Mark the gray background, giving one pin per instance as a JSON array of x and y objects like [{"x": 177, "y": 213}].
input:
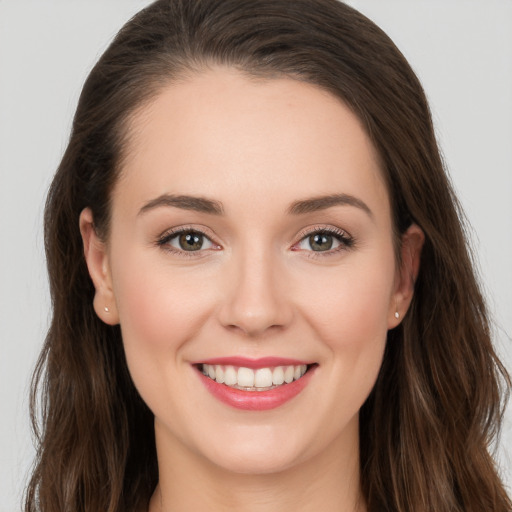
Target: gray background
[{"x": 461, "y": 50}]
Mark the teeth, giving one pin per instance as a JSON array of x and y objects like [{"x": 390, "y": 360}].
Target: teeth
[
  {"x": 288, "y": 374},
  {"x": 230, "y": 376},
  {"x": 245, "y": 377},
  {"x": 219, "y": 374},
  {"x": 263, "y": 378},
  {"x": 249, "y": 379},
  {"x": 278, "y": 376}
]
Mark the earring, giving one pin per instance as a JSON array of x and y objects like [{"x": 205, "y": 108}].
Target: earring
[
  {"x": 397, "y": 315},
  {"x": 107, "y": 310}
]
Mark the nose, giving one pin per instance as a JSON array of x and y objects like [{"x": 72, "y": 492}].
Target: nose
[{"x": 256, "y": 299}]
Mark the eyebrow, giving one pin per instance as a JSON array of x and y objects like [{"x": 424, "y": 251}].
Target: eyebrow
[
  {"x": 210, "y": 206},
  {"x": 198, "y": 204},
  {"x": 315, "y": 204}
]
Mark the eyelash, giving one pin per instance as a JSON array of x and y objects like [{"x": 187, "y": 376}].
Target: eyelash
[
  {"x": 345, "y": 240},
  {"x": 165, "y": 238}
]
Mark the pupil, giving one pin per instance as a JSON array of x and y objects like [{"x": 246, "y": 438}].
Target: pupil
[
  {"x": 320, "y": 242},
  {"x": 191, "y": 241}
]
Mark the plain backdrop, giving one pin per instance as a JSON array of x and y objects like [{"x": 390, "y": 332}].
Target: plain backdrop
[{"x": 461, "y": 50}]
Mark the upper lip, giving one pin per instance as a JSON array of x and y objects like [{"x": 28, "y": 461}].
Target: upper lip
[{"x": 262, "y": 362}]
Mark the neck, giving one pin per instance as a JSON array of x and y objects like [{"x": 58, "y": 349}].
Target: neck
[{"x": 325, "y": 482}]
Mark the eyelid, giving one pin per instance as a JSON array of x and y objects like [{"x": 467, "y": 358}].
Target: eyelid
[
  {"x": 346, "y": 240},
  {"x": 169, "y": 234}
]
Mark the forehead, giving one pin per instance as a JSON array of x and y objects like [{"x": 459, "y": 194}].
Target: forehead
[{"x": 223, "y": 134}]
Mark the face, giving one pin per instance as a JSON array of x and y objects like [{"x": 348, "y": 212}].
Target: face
[{"x": 251, "y": 240}]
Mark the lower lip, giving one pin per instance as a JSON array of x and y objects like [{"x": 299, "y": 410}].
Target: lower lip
[{"x": 256, "y": 400}]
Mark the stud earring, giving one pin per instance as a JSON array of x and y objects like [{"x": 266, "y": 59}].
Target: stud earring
[
  {"x": 107, "y": 310},
  {"x": 397, "y": 315}
]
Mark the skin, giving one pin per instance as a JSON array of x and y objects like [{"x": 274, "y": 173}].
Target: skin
[{"x": 256, "y": 147}]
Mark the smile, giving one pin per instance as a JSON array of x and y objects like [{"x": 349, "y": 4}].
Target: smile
[
  {"x": 248, "y": 379},
  {"x": 255, "y": 385}
]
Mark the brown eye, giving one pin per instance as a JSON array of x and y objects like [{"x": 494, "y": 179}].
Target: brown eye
[
  {"x": 325, "y": 240},
  {"x": 187, "y": 241},
  {"x": 191, "y": 241},
  {"x": 321, "y": 242}
]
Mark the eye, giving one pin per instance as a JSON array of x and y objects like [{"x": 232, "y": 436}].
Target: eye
[
  {"x": 187, "y": 240},
  {"x": 325, "y": 240},
  {"x": 319, "y": 242}
]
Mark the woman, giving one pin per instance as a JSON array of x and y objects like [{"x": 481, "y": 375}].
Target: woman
[{"x": 262, "y": 293}]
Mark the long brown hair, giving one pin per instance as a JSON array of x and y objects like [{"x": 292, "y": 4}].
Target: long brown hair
[{"x": 428, "y": 423}]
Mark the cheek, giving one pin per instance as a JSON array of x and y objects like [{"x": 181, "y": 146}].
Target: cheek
[
  {"x": 160, "y": 311},
  {"x": 158, "y": 307},
  {"x": 144, "y": 311},
  {"x": 349, "y": 311},
  {"x": 355, "y": 333},
  {"x": 355, "y": 298}
]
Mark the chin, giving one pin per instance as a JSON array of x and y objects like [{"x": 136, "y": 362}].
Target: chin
[
  {"x": 257, "y": 454},
  {"x": 256, "y": 464}
]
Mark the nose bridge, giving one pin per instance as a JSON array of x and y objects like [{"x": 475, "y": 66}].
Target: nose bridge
[{"x": 255, "y": 301}]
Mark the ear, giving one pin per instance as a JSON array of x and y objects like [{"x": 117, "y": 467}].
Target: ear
[
  {"x": 96, "y": 256},
  {"x": 410, "y": 253}
]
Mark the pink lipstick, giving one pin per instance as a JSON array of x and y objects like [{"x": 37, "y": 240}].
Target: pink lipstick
[{"x": 255, "y": 384}]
